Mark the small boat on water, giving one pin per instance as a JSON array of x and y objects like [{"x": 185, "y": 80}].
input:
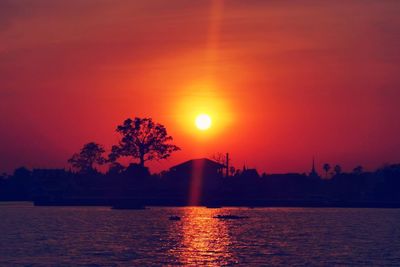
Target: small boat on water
[
  {"x": 213, "y": 207},
  {"x": 174, "y": 218},
  {"x": 230, "y": 217}
]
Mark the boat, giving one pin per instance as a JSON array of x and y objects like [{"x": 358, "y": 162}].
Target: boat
[
  {"x": 230, "y": 217},
  {"x": 174, "y": 218},
  {"x": 213, "y": 207}
]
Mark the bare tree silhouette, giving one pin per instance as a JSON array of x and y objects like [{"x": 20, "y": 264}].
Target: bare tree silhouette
[
  {"x": 219, "y": 157},
  {"x": 144, "y": 140},
  {"x": 90, "y": 154}
]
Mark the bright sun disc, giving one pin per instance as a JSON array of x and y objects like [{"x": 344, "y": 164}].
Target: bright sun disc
[{"x": 203, "y": 122}]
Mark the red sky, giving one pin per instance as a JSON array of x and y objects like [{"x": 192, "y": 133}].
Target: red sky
[{"x": 282, "y": 80}]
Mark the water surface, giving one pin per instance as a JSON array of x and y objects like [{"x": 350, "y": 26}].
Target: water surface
[{"x": 98, "y": 236}]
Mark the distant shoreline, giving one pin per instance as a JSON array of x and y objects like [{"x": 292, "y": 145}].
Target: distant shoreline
[{"x": 138, "y": 204}]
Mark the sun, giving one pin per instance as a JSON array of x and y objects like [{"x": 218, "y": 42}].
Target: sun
[{"x": 203, "y": 122}]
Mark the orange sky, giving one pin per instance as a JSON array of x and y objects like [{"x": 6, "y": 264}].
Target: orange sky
[{"x": 283, "y": 80}]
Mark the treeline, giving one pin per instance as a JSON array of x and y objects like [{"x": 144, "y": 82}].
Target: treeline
[{"x": 245, "y": 186}]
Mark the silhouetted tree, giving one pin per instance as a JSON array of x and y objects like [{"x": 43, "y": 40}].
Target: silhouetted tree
[
  {"x": 90, "y": 154},
  {"x": 21, "y": 172},
  {"x": 22, "y": 179},
  {"x": 222, "y": 159},
  {"x": 219, "y": 157},
  {"x": 358, "y": 170},
  {"x": 116, "y": 168},
  {"x": 144, "y": 140},
  {"x": 232, "y": 170},
  {"x": 326, "y": 168},
  {"x": 337, "y": 169}
]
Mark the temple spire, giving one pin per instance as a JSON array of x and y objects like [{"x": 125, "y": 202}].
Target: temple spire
[
  {"x": 313, "y": 172},
  {"x": 313, "y": 165}
]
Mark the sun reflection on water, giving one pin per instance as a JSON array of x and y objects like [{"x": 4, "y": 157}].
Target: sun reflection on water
[{"x": 202, "y": 239}]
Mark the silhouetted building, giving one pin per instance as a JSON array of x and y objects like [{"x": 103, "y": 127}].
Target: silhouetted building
[
  {"x": 198, "y": 176},
  {"x": 202, "y": 166},
  {"x": 249, "y": 173}
]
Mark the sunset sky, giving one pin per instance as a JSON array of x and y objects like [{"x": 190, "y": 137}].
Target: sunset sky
[{"x": 283, "y": 81}]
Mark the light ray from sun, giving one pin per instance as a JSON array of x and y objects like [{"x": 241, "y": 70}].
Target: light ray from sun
[
  {"x": 214, "y": 32},
  {"x": 203, "y": 119}
]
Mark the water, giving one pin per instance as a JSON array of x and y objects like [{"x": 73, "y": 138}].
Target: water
[{"x": 88, "y": 236}]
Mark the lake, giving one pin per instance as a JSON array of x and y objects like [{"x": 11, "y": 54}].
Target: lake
[{"x": 100, "y": 236}]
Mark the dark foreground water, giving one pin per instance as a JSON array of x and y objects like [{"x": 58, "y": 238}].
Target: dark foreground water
[{"x": 87, "y": 236}]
